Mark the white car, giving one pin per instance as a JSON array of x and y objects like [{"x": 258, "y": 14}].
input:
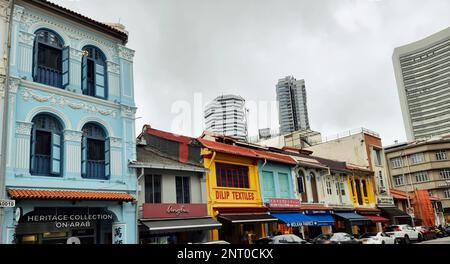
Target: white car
[
  {"x": 404, "y": 233},
  {"x": 377, "y": 238}
]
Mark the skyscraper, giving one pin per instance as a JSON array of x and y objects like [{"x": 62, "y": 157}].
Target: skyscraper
[
  {"x": 422, "y": 70},
  {"x": 226, "y": 115},
  {"x": 292, "y": 109}
]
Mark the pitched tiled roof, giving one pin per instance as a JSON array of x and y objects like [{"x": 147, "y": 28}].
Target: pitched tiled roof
[
  {"x": 246, "y": 152},
  {"x": 105, "y": 28},
  {"x": 168, "y": 135},
  {"x": 152, "y": 158},
  {"x": 30, "y": 194}
]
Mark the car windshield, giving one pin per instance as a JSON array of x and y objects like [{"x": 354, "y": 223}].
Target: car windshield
[
  {"x": 367, "y": 235},
  {"x": 323, "y": 237}
]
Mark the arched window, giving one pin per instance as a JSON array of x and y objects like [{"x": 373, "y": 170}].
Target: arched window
[
  {"x": 93, "y": 73},
  {"x": 46, "y": 142},
  {"x": 94, "y": 153},
  {"x": 51, "y": 59}
]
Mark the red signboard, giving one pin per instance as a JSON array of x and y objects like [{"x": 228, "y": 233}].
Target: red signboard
[
  {"x": 173, "y": 210},
  {"x": 284, "y": 203}
]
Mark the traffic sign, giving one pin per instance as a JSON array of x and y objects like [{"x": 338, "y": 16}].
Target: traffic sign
[{"x": 7, "y": 203}]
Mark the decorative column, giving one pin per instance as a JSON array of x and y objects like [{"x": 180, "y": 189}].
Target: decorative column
[
  {"x": 10, "y": 157},
  {"x": 113, "y": 81},
  {"x": 72, "y": 154},
  {"x": 116, "y": 161},
  {"x": 15, "y": 44},
  {"x": 126, "y": 56},
  {"x": 75, "y": 71},
  {"x": 23, "y": 138}
]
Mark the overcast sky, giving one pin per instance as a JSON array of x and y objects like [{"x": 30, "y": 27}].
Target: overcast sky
[{"x": 187, "y": 49}]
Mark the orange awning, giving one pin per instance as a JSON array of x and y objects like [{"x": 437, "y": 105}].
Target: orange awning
[{"x": 28, "y": 194}]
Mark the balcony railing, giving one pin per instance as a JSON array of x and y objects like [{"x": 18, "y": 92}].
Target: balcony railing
[
  {"x": 49, "y": 76},
  {"x": 95, "y": 169}
]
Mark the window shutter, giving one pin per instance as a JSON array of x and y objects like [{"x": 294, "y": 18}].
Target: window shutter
[
  {"x": 35, "y": 59},
  {"x": 65, "y": 66},
  {"x": 33, "y": 150},
  {"x": 84, "y": 155},
  {"x": 56, "y": 154},
  {"x": 100, "y": 82},
  {"x": 84, "y": 84},
  {"x": 107, "y": 159}
]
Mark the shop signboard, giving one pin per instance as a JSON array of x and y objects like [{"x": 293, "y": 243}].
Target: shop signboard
[
  {"x": 119, "y": 231},
  {"x": 67, "y": 218},
  {"x": 284, "y": 203},
  {"x": 167, "y": 210},
  {"x": 385, "y": 201},
  {"x": 235, "y": 195}
]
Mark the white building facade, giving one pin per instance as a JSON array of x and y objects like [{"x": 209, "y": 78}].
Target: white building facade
[
  {"x": 226, "y": 115},
  {"x": 422, "y": 70}
]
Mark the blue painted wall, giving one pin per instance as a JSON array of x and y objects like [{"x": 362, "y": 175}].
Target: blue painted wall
[
  {"x": 278, "y": 170},
  {"x": 116, "y": 114}
]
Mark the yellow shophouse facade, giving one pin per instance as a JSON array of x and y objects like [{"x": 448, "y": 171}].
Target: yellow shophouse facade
[{"x": 233, "y": 190}]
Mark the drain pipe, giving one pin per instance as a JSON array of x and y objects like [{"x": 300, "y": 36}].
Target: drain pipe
[
  {"x": 5, "y": 118},
  {"x": 137, "y": 204}
]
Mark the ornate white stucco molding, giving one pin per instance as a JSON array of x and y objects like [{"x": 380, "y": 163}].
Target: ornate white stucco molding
[
  {"x": 13, "y": 85},
  {"x": 127, "y": 111},
  {"x": 18, "y": 12},
  {"x": 115, "y": 142},
  {"x": 23, "y": 128},
  {"x": 26, "y": 38},
  {"x": 62, "y": 101},
  {"x": 126, "y": 53},
  {"x": 76, "y": 54},
  {"x": 72, "y": 135},
  {"x": 113, "y": 67}
]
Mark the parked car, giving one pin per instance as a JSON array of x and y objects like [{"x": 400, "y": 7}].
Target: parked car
[
  {"x": 336, "y": 238},
  {"x": 447, "y": 229},
  {"x": 377, "y": 238},
  {"x": 427, "y": 232},
  {"x": 440, "y": 232},
  {"x": 223, "y": 242},
  {"x": 403, "y": 233},
  {"x": 282, "y": 239}
]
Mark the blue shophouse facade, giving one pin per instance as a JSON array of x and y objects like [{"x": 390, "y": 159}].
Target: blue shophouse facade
[
  {"x": 71, "y": 129},
  {"x": 276, "y": 180}
]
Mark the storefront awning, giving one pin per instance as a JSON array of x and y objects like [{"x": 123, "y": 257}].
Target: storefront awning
[
  {"x": 248, "y": 218},
  {"x": 180, "y": 225},
  {"x": 34, "y": 194},
  {"x": 354, "y": 218},
  {"x": 393, "y": 212},
  {"x": 322, "y": 219},
  {"x": 294, "y": 219},
  {"x": 377, "y": 219}
]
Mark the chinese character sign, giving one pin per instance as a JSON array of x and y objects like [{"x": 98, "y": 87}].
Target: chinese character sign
[{"x": 119, "y": 233}]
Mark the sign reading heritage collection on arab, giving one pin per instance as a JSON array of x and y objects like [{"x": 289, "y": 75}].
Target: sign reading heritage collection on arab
[
  {"x": 284, "y": 203},
  {"x": 69, "y": 220}
]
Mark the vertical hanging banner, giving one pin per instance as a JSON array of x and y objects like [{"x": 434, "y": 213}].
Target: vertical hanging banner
[
  {"x": 119, "y": 233},
  {"x": 11, "y": 235}
]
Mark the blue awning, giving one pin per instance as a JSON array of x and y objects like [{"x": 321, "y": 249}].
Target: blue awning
[
  {"x": 356, "y": 219},
  {"x": 322, "y": 219},
  {"x": 294, "y": 219}
]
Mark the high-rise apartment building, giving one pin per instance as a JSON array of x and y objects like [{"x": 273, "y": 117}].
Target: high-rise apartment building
[
  {"x": 226, "y": 115},
  {"x": 422, "y": 70},
  {"x": 292, "y": 109}
]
